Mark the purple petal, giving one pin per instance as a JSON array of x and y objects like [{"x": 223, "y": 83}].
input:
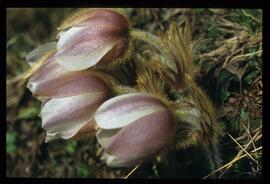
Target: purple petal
[
  {"x": 85, "y": 44},
  {"x": 39, "y": 52},
  {"x": 105, "y": 137},
  {"x": 67, "y": 84},
  {"x": 64, "y": 117},
  {"x": 111, "y": 17},
  {"x": 50, "y": 69},
  {"x": 122, "y": 110},
  {"x": 141, "y": 139},
  {"x": 80, "y": 49},
  {"x": 85, "y": 18}
]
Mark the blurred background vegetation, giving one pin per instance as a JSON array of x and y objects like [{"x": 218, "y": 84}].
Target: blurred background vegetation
[{"x": 229, "y": 57}]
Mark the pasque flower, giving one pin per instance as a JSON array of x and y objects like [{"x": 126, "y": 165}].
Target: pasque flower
[
  {"x": 69, "y": 98},
  {"x": 92, "y": 36},
  {"x": 133, "y": 128}
]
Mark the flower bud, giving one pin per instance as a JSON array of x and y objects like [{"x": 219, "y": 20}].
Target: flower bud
[
  {"x": 93, "y": 36},
  {"x": 70, "y": 98},
  {"x": 65, "y": 117},
  {"x": 134, "y": 127}
]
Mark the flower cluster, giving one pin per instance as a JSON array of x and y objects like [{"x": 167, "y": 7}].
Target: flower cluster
[{"x": 82, "y": 95}]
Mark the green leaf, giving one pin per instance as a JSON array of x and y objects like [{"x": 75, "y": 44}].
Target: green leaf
[
  {"x": 71, "y": 146},
  {"x": 255, "y": 123},
  {"x": 85, "y": 172},
  {"x": 213, "y": 31},
  {"x": 249, "y": 18},
  {"x": 10, "y": 142},
  {"x": 244, "y": 115},
  {"x": 222, "y": 91},
  {"x": 29, "y": 112},
  {"x": 249, "y": 78}
]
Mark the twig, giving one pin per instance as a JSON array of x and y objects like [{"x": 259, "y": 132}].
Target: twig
[
  {"x": 253, "y": 144},
  {"x": 241, "y": 147},
  {"x": 231, "y": 162},
  {"x": 248, "y": 15},
  {"x": 132, "y": 171},
  {"x": 228, "y": 165},
  {"x": 241, "y": 152},
  {"x": 246, "y": 55}
]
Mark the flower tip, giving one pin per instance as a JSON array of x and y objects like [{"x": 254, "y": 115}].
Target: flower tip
[
  {"x": 50, "y": 137},
  {"x": 32, "y": 86},
  {"x": 113, "y": 161}
]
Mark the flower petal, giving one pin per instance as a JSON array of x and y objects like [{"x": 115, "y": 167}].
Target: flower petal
[
  {"x": 122, "y": 110},
  {"x": 39, "y": 52},
  {"x": 68, "y": 84},
  {"x": 105, "y": 137},
  {"x": 84, "y": 18},
  {"x": 82, "y": 47},
  {"x": 64, "y": 117},
  {"x": 84, "y": 60},
  {"x": 110, "y": 16},
  {"x": 141, "y": 139},
  {"x": 49, "y": 69}
]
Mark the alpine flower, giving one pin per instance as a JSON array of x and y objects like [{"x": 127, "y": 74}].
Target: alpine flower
[
  {"x": 92, "y": 36},
  {"x": 133, "y": 128},
  {"x": 70, "y": 99}
]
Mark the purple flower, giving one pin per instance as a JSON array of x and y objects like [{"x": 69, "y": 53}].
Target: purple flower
[
  {"x": 91, "y": 37},
  {"x": 70, "y": 99},
  {"x": 134, "y": 127}
]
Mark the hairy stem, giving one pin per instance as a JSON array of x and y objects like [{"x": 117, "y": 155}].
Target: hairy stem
[
  {"x": 213, "y": 157},
  {"x": 148, "y": 38}
]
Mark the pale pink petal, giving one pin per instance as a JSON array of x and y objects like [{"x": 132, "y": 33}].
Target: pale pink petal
[
  {"x": 122, "y": 110},
  {"x": 49, "y": 69},
  {"x": 86, "y": 44},
  {"x": 111, "y": 17},
  {"x": 82, "y": 47},
  {"x": 39, "y": 52},
  {"x": 67, "y": 84},
  {"x": 66, "y": 36},
  {"x": 105, "y": 137},
  {"x": 84, "y": 59},
  {"x": 95, "y": 28},
  {"x": 64, "y": 117},
  {"x": 141, "y": 139}
]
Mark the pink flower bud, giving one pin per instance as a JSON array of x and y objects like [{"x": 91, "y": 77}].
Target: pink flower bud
[
  {"x": 65, "y": 117},
  {"x": 95, "y": 36},
  {"x": 134, "y": 127},
  {"x": 71, "y": 98}
]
